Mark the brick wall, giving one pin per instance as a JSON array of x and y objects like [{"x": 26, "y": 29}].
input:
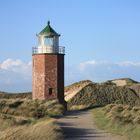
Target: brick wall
[{"x": 48, "y": 74}]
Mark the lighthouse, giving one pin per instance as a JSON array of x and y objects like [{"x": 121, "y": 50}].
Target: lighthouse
[{"x": 48, "y": 66}]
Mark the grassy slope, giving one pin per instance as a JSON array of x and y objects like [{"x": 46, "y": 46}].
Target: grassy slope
[
  {"x": 77, "y": 85},
  {"x": 134, "y": 85},
  {"x": 41, "y": 130},
  {"x": 119, "y": 119},
  {"x": 29, "y": 119},
  {"x": 72, "y": 90},
  {"x": 136, "y": 88},
  {"x": 19, "y": 115},
  {"x": 128, "y": 81},
  {"x": 102, "y": 94},
  {"x": 31, "y": 108},
  {"x": 6, "y": 95}
]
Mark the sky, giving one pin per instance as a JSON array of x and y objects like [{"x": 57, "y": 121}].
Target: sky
[{"x": 101, "y": 38}]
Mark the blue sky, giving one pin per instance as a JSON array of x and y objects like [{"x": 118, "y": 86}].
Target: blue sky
[{"x": 102, "y": 39}]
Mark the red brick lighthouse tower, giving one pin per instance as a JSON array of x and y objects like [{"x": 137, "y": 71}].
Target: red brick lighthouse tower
[{"x": 48, "y": 66}]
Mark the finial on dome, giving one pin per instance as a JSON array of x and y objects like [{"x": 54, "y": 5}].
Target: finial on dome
[{"x": 48, "y": 22}]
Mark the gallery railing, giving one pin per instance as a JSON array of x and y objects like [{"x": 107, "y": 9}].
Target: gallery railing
[{"x": 48, "y": 49}]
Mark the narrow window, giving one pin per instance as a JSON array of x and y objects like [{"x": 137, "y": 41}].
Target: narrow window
[{"x": 50, "y": 91}]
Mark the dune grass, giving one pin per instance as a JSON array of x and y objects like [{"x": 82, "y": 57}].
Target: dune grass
[
  {"x": 41, "y": 130},
  {"x": 31, "y": 108},
  {"x": 78, "y": 107},
  {"x": 93, "y": 95},
  {"x": 25, "y": 119},
  {"x": 24, "y": 95},
  {"x": 119, "y": 119},
  {"x": 77, "y": 85}
]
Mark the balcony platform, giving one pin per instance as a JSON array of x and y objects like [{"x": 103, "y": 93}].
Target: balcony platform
[{"x": 48, "y": 49}]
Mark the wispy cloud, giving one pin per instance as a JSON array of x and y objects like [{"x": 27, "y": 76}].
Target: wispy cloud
[
  {"x": 16, "y": 65},
  {"x": 87, "y": 64},
  {"x": 15, "y": 75},
  {"x": 104, "y": 70},
  {"x": 129, "y": 64}
]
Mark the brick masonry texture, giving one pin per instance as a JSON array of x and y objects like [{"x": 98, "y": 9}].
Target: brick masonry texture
[{"x": 48, "y": 72}]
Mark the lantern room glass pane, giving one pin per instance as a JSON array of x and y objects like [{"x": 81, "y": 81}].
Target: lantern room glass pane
[{"x": 49, "y": 41}]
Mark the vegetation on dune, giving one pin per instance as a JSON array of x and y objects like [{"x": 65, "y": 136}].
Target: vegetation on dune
[
  {"x": 136, "y": 88},
  {"x": 41, "y": 130},
  {"x": 119, "y": 119},
  {"x": 77, "y": 85},
  {"x": 23, "y": 118},
  {"x": 6, "y": 95},
  {"x": 7, "y": 121},
  {"x": 123, "y": 114},
  {"x": 127, "y": 81},
  {"x": 29, "y": 119},
  {"x": 72, "y": 90},
  {"x": 31, "y": 108},
  {"x": 93, "y": 95}
]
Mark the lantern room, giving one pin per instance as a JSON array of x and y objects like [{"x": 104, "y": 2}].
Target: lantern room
[{"x": 48, "y": 41}]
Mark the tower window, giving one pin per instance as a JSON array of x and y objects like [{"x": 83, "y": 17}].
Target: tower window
[
  {"x": 50, "y": 91},
  {"x": 49, "y": 41}
]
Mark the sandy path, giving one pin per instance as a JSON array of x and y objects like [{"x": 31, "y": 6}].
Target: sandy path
[{"x": 79, "y": 125}]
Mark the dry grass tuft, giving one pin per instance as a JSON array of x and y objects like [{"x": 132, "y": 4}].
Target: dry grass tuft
[
  {"x": 31, "y": 108},
  {"x": 25, "y": 119},
  {"x": 119, "y": 119},
  {"x": 123, "y": 114},
  {"x": 42, "y": 130}
]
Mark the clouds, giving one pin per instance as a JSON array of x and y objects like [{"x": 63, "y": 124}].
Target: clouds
[
  {"x": 85, "y": 64},
  {"x": 105, "y": 70},
  {"x": 16, "y": 65},
  {"x": 129, "y": 64},
  {"x": 15, "y": 75},
  {"x": 9, "y": 64}
]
